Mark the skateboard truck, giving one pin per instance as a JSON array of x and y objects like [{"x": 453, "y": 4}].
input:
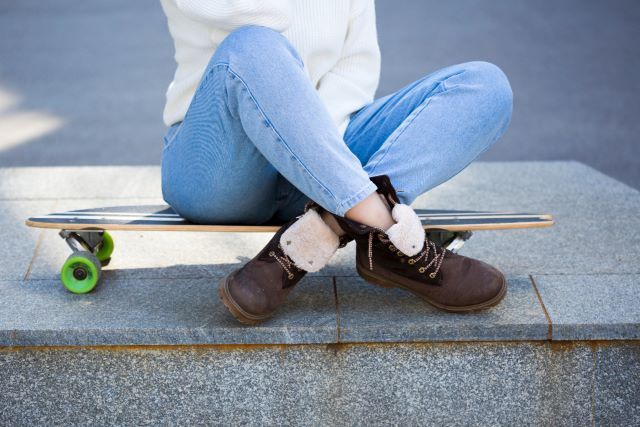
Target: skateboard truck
[
  {"x": 83, "y": 240},
  {"x": 451, "y": 240}
]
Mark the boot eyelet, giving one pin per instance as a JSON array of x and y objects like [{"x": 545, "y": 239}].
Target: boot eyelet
[
  {"x": 272, "y": 253},
  {"x": 411, "y": 261},
  {"x": 400, "y": 253},
  {"x": 432, "y": 275},
  {"x": 380, "y": 236},
  {"x": 290, "y": 276},
  {"x": 421, "y": 269},
  {"x": 392, "y": 248}
]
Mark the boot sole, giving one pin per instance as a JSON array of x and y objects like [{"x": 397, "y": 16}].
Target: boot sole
[
  {"x": 233, "y": 307},
  {"x": 385, "y": 282}
]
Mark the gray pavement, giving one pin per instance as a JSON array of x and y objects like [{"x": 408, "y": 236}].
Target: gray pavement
[
  {"x": 152, "y": 344},
  {"x": 565, "y": 282},
  {"x": 464, "y": 384},
  {"x": 82, "y": 82}
]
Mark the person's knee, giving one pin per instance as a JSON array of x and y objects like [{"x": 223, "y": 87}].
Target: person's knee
[
  {"x": 253, "y": 35},
  {"x": 493, "y": 87},
  {"x": 252, "y": 47}
]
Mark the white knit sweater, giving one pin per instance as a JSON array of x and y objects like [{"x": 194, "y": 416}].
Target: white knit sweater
[{"x": 336, "y": 39}]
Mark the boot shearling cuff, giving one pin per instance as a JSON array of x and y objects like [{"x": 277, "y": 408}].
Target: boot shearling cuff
[
  {"x": 309, "y": 242},
  {"x": 407, "y": 234}
]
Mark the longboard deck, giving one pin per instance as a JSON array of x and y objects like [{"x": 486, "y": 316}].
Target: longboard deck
[{"x": 164, "y": 218}]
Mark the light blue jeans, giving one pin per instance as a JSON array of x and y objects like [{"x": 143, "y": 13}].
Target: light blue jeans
[{"x": 257, "y": 143}]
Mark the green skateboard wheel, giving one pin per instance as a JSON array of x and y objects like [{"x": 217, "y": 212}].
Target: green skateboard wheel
[
  {"x": 106, "y": 250},
  {"x": 80, "y": 272}
]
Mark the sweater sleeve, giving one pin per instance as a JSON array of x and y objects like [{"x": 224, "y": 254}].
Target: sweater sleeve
[
  {"x": 352, "y": 82},
  {"x": 231, "y": 14}
]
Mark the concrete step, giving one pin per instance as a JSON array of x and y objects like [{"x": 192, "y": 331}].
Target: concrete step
[
  {"x": 563, "y": 345},
  {"x": 521, "y": 383}
]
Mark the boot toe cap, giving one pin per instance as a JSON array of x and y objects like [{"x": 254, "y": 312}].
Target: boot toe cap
[
  {"x": 482, "y": 287},
  {"x": 250, "y": 296},
  {"x": 490, "y": 286}
]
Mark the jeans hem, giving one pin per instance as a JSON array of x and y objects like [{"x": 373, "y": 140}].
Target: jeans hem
[{"x": 350, "y": 202}]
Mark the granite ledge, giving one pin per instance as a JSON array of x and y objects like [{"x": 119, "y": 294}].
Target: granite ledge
[
  {"x": 591, "y": 306},
  {"x": 187, "y": 312}
]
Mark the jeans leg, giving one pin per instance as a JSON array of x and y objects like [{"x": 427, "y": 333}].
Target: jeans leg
[
  {"x": 254, "y": 119},
  {"x": 211, "y": 171},
  {"x": 429, "y": 131},
  {"x": 269, "y": 93}
]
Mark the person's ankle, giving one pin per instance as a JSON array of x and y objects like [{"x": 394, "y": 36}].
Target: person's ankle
[
  {"x": 329, "y": 219},
  {"x": 385, "y": 201},
  {"x": 373, "y": 211}
]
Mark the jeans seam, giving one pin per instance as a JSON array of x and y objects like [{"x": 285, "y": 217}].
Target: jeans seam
[{"x": 277, "y": 134}]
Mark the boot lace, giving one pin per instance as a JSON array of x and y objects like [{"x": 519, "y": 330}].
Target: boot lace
[
  {"x": 431, "y": 255},
  {"x": 285, "y": 262}
]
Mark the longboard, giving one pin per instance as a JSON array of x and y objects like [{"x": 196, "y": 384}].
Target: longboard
[
  {"x": 85, "y": 231},
  {"x": 164, "y": 218}
]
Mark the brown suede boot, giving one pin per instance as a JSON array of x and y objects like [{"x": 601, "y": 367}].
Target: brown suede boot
[
  {"x": 404, "y": 257},
  {"x": 254, "y": 292}
]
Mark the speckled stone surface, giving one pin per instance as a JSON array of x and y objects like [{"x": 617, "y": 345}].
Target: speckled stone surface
[
  {"x": 160, "y": 290},
  {"x": 617, "y": 385},
  {"x": 595, "y": 307},
  {"x": 18, "y": 241},
  {"x": 578, "y": 196},
  {"x": 80, "y": 182},
  {"x": 141, "y": 387},
  {"x": 368, "y": 313},
  {"x": 157, "y": 255},
  {"x": 442, "y": 384},
  {"x": 581, "y": 200},
  {"x": 416, "y": 384},
  {"x": 155, "y": 311}
]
